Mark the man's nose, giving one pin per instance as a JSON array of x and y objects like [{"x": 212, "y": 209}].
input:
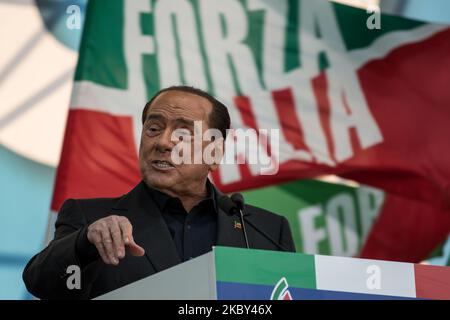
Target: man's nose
[{"x": 164, "y": 143}]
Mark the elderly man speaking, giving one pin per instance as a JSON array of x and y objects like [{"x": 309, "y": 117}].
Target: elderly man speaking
[{"x": 171, "y": 216}]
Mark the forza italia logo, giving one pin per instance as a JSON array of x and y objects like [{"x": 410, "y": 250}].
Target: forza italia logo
[{"x": 281, "y": 291}]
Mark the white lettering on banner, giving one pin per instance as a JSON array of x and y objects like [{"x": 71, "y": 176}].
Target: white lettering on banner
[
  {"x": 308, "y": 115},
  {"x": 305, "y": 101},
  {"x": 343, "y": 236},
  {"x": 374, "y": 280},
  {"x": 229, "y": 43},
  {"x": 225, "y": 29},
  {"x": 227, "y": 47},
  {"x": 343, "y": 95},
  {"x": 274, "y": 25},
  {"x": 181, "y": 13},
  {"x": 348, "y": 105},
  {"x": 136, "y": 45},
  {"x": 311, "y": 235},
  {"x": 266, "y": 118},
  {"x": 337, "y": 231},
  {"x": 216, "y": 46}
]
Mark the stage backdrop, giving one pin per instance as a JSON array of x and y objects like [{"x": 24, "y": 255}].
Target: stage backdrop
[{"x": 364, "y": 103}]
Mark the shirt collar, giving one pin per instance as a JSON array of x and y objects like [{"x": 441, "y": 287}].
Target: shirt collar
[{"x": 162, "y": 198}]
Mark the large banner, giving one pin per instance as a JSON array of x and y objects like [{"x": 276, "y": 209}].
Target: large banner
[{"x": 365, "y": 103}]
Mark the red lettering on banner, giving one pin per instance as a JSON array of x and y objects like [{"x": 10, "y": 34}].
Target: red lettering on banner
[
  {"x": 288, "y": 118},
  {"x": 320, "y": 89}
]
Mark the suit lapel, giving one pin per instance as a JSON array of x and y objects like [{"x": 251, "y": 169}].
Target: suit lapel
[{"x": 149, "y": 228}]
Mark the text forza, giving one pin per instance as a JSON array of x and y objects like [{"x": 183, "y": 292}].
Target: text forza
[{"x": 300, "y": 78}]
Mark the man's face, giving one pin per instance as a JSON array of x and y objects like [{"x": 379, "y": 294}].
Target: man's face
[{"x": 173, "y": 110}]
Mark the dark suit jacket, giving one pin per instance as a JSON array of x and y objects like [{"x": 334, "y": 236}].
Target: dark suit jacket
[{"x": 45, "y": 274}]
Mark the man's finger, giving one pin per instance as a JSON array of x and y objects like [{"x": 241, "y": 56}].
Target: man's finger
[
  {"x": 96, "y": 240},
  {"x": 108, "y": 245},
  {"x": 127, "y": 234},
  {"x": 127, "y": 230},
  {"x": 102, "y": 252},
  {"x": 116, "y": 234}
]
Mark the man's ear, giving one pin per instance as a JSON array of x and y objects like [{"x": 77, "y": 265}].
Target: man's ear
[
  {"x": 216, "y": 153},
  {"x": 214, "y": 167}
]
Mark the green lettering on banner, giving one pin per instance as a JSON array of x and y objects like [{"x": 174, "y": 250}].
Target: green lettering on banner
[{"x": 102, "y": 58}]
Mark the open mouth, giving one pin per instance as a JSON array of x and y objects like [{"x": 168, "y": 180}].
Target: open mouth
[{"x": 162, "y": 164}]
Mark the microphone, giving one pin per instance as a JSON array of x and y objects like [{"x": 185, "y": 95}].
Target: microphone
[
  {"x": 231, "y": 208},
  {"x": 227, "y": 205},
  {"x": 238, "y": 200}
]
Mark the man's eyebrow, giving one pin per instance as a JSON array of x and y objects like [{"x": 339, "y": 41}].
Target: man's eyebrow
[
  {"x": 186, "y": 122},
  {"x": 178, "y": 121},
  {"x": 154, "y": 116}
]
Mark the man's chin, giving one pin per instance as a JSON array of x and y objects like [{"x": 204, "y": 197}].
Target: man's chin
[{"x": 158, "y": 182}]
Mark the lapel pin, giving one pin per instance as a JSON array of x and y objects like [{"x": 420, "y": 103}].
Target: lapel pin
[{"x": 237, "y": 225}]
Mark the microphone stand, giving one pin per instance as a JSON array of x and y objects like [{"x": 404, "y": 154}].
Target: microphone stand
[
  {"x": 241, "y": 217},
  {"x": 279, "y": 246},
  {"x": 238, "y": 199}
]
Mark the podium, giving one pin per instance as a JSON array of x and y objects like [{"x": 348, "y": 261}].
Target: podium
[{"x": 228, "y": 273}]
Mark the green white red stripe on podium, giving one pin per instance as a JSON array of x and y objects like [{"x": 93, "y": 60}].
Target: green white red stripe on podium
[{"x": 256, "y": 272}]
